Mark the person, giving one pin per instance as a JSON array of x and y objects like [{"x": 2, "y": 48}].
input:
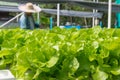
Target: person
[{"x": 26, "y": 20}]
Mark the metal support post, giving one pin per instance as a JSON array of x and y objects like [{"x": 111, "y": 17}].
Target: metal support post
[
  {"x": 38, "y": 17},
  {"x": 109, "y": 13},
  {"x": 58, "y": 14},
  {"x": 93, "y": 19}
]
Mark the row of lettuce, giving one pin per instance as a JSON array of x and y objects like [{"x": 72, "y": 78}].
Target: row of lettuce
[{"x": 61, "y": 54}]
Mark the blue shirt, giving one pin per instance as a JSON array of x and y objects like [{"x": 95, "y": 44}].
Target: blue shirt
[{"x": 27, "y": 22}]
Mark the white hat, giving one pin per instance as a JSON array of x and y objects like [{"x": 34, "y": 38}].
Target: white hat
[{"x": 29, "y": 7}]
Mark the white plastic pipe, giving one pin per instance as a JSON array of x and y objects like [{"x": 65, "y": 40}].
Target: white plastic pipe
[
  {"x": 58, "y": 14},
  {"x": 109, "y": 13},
  {"x": 38, "y": 16},
  {"x": 93, "y": 19},
  {"x": 11, "y": 20},
  {"x": 17, "y": 17},
  {"x": 96, "y": 20}
]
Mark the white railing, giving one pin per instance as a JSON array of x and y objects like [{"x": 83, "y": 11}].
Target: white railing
[{"x": 11, "y": 20}]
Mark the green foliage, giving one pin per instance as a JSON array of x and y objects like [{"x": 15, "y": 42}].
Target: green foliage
[{"x": 61, "y": 54}]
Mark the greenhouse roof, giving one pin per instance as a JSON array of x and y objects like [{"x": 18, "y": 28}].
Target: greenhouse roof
[
  {"x": 42, "y": 1},
  {"x": 73, "y": 13},
  {"x": 8, "y": 3},
  {"x": 54, "y": 11},
  {"x": 6, "y": 8},
  {"x": 101, "y": 6}
]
